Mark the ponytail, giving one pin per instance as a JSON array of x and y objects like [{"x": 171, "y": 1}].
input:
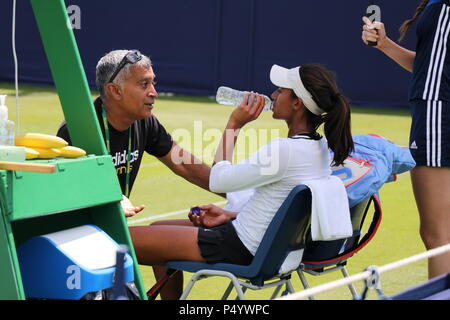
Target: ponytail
[
  {"x": 321, "y": 84},
  {"x": 337, "y": 129},
  {"x": 405, "y": 26}
]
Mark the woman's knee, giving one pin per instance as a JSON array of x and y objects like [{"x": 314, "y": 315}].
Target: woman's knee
[
  {"x": 158, "y": 223},
  {"x": 431, "y": 187},
  {"x": 426, "y": 236},
  {"x": 173, "y": 222},
  {"x": 434, "y": 236}
]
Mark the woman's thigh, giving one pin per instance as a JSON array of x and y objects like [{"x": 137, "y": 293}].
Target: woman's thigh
[
  {"x": 431, "y": 187},
  {"x": 173, "y": 222},
  {"x": 156, "y": 244}
]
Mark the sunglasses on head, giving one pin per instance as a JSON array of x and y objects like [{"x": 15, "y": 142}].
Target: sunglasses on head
[{"x": 131, "y": 57}]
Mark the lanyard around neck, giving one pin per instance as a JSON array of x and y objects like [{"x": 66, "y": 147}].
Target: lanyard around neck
[{"x": 108, "y": 147}]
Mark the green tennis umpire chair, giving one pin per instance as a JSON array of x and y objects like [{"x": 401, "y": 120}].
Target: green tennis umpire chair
[{"x": 286, "y": 233}]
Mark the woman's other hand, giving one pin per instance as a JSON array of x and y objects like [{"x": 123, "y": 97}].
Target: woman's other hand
[
  {"x": 249, "y": 110},
  {"x": 374, "y": 31},
  {"x": 210, "y": 216}
]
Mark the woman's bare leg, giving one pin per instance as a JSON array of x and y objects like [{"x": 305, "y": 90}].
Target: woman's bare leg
[
  {"x": 173, "y": 288},
  {"x": 432, "y": 192},
  {"x": 158, "y": 243},
  {"x": 173, "y": 222}
]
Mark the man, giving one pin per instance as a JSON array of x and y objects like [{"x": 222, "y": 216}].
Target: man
[{"x": 126, "y": 82}]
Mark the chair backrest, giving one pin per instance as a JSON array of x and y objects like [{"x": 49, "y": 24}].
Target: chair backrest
[
  {"x": 321, "y": 254},
  {"x": 286, "y": 232}
]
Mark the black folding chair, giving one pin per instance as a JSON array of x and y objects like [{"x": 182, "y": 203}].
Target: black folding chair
[{"x": 321, "y": 257}]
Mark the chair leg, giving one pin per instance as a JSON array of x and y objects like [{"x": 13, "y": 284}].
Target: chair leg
[
  {"x": 239, "y": 297},
  {"x": 276, "y": 291},
  {"x": 191, "y": 283},
  {"x": 304, "y": 282},
  {"x": 238, "y": 288},
  {"x": 350, "y": 286},
  {"x": 207, "y": 273},
  {"x": 227, "y": 292},
  {"x": 289, "y": 287}
]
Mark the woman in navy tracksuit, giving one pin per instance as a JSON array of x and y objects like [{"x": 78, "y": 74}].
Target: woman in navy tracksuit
[{"x": 430, "y": 110}]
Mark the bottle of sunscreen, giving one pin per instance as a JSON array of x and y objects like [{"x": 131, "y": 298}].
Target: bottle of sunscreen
[{"x": 6, "y": 126}]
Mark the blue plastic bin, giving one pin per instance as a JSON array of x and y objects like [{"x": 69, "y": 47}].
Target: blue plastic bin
[{"x": 70, "y": 264}]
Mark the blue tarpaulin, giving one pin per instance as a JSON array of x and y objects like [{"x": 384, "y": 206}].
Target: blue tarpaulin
[{"x": 198, "y": 45}]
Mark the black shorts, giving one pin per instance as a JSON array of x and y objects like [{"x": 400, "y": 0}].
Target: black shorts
[
  {"x": 222, "y": 244},
  {"x": 429, "y": 140}
]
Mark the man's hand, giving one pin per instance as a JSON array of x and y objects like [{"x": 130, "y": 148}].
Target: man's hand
[{"x": 128, "y": 207}]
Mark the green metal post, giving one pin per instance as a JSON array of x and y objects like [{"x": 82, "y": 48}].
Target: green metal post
[
  {"x": 10, "y": 279},
  {"x": 68, "y": 74}
]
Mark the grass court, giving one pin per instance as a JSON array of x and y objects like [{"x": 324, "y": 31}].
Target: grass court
[{"x": 167, "y": 196}]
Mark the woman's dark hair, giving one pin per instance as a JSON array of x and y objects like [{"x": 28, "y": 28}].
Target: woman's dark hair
[
  {"x": 405, "y": 26},
  {"x": 321, "y": 83}
]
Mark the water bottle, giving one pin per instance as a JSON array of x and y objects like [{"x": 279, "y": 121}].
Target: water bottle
[
  {"x": 6, "y": 126},
  {"x": 232, "y": 97}
]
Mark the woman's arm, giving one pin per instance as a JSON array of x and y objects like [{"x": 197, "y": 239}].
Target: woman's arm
[
  {"x": 249, "y": 110},
  {"x": 376, "y": 32},
  {"x": 266, "y": 166},
  {"x": 404, "y": 57}
]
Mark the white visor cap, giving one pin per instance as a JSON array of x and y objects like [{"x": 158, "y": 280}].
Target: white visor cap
[{"x": 290, "y": 79}]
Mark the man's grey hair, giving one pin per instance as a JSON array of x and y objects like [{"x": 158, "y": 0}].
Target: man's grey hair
[{"x": 108, "y": 64}]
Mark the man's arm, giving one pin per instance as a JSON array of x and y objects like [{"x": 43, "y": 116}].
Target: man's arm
[
  {"x": 186, "y": 165},
  {"x": 63, "y": 132}
]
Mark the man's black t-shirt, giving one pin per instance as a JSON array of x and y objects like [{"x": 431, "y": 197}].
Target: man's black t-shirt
[{"x": 148, "y": 135}]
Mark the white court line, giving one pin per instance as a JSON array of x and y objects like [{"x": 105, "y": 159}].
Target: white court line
[{"x": 168, "y": 214}]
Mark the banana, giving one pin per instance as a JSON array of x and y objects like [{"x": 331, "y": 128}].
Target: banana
[
  {"x": 31, "y": 154},
  {"x": 47, "y": 153},
  {"x": 39, "y": 140},
  {"x": 44, "y": 146},
  {"x": 72, "y": 152}
]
